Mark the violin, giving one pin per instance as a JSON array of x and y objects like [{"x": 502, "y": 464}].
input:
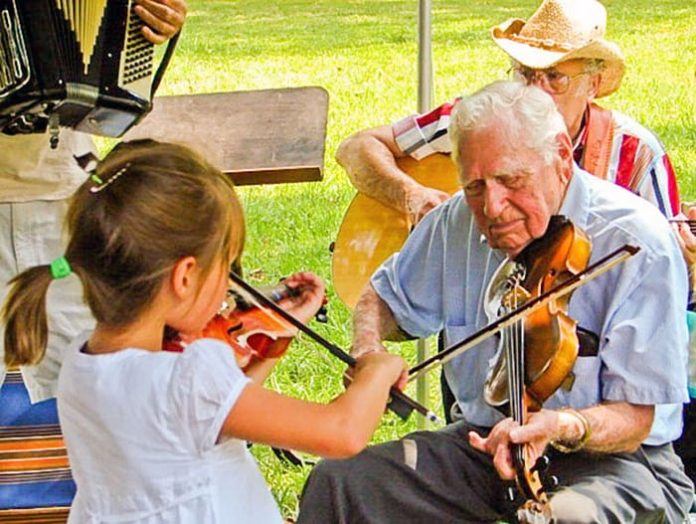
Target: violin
[
  {"x": 252, "y": 331},
  {"x": 550, "y": 338},
  {"x": 537, "y": 352}
]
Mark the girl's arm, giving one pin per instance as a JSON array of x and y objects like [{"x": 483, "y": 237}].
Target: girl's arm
[
  {"x": 258, "y": 370},
  {"x": 336, "y": 430}
]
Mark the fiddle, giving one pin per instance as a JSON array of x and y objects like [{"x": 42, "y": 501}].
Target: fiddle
[
  {"x": 598, "y": 268},
  {"x": 254, "y": 332},
  {"x": 539, "y": 351},
  {"x": 550, "y": 338}
]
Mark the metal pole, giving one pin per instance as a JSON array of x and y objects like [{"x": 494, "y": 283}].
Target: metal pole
[
  {"x": 425, "y": 102},
  {"x": 425, "y": 56}
]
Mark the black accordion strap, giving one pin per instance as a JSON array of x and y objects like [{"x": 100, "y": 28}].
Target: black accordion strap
[{"x": 164, "y": 63}]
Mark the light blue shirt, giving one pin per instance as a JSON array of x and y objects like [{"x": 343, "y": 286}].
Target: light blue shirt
[{"x": 439, "y": 279}]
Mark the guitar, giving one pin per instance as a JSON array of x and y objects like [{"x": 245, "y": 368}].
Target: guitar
[{"x": 372, "y": 231}]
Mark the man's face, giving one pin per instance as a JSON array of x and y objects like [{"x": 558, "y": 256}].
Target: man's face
[
  {"x": 510, "y": 190},
  {"x": 570, "y": 86}
]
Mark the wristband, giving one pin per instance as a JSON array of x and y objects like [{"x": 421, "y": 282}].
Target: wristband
[{"x": 566, "y": 447}]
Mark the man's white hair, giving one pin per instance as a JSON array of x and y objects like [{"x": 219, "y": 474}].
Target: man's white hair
[{"x": 529, "y": 115}]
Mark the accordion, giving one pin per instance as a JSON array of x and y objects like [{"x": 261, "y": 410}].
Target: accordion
[{"x": 82, "y": 64}]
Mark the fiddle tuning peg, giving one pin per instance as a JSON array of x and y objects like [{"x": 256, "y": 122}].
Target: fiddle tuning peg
[
  {"x": 541, "y": 465},
  {"x": 511, "y": 493},
  {"x": 322, "y": 315},
  {"x": 552, "y": 481}
]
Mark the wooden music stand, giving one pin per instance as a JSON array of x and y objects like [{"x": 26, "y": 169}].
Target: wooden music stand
[{"x": 268, "y": 136}]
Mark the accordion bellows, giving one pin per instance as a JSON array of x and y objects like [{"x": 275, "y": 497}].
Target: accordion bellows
[{"x": 75, "y": 63}]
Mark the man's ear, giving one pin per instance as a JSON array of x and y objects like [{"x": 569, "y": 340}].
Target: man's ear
[
  {"x": 565, "y": 152},
  {"x": 565, "y": 146},
  {"x": 595, "y": 81},
  {"x": 183, "y": 276}
]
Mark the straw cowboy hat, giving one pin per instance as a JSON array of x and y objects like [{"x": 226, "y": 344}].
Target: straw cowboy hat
[{"x": 563, "y": 30}]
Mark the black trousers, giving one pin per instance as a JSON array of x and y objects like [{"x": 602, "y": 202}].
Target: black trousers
[
  {"x": 432, "y": 477},
  {"x": 686, "y": 445}
]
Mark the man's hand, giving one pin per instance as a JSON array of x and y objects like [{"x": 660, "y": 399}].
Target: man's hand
[
  {"x": 164, "y": 18},
  {"x": 420, "y": 200},
  {"x": 687, "y": 242},
  {"x": 540, "y": 429}
]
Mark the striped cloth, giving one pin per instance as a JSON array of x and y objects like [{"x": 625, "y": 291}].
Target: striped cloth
[
  {"x": 35, "y": 481},
  {"x": 638, "y": 161}
]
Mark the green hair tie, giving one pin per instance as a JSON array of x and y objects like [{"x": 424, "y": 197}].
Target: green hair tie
[{"x": 60, "y": 268}]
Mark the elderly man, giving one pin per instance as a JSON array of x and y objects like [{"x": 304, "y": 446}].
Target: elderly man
[
  {"x": 561, "y": 48},
  {"x": 611, "y": 452}
]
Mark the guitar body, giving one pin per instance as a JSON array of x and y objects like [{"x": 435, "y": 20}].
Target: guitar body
[{"x": 371, "y": 231}]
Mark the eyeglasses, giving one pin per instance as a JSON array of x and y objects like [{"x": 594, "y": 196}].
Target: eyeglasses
[{"x": 550, "y": 80}]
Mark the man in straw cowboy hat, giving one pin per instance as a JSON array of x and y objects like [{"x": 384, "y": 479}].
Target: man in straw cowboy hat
[
  {"x": 562, "y": 49},
  {"x": 606, "y": 441}
]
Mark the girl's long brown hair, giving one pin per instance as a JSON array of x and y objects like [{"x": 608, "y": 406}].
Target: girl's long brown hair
[{"x": 158, "y": 202}]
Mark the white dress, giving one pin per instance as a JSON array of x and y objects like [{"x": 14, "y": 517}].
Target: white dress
[{"x": 141, "y": 430}]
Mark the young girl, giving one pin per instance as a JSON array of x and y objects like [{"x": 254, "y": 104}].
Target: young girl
[{"x": 156, "y": 436}]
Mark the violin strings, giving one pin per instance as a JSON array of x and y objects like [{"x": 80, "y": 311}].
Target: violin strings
[
  {"x": 515, "y": 360},
  {"x": 516, "y": 369}
]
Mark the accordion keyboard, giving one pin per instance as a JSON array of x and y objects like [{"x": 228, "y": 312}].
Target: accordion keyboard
[
  {"x": 84, "y": 64},
  {"x": 14, "y": 64}
]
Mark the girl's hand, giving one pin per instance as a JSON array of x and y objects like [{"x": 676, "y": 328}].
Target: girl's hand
[
  {"x": 686, "y": 238},
  {"x": 391, "y": 369},
  {"x": 311, "y": 298}
]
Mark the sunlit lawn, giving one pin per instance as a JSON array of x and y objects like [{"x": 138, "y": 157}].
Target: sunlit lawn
[{"x": 364, "y": 53}]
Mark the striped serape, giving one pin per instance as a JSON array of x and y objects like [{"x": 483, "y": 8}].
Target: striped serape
[{"x": 35, "y": 481}]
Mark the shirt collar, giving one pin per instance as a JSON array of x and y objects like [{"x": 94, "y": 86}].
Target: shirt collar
[
  {"x": 581, "y": 139},
  {"x": 575, "y": 204}
]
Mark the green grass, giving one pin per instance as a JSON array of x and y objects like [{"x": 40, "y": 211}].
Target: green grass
[{"x": 365, "y": 54}]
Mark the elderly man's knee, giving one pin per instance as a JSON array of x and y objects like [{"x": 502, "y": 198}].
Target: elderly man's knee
[
  {"x": 579, "y": 511},
  {"x": 328, "y": 472},
  {"x": 325, "y": 469},
  {"x": 570, "y": 506}
]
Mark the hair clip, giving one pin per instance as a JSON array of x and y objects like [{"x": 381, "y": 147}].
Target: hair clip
[{"x": 101, "y": 184}]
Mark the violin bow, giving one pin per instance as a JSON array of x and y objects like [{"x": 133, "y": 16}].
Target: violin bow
[
  {"x": 691, "y": 223},
  {"x": 400, "y": 404},
  {"x": 600, "y": 267}
]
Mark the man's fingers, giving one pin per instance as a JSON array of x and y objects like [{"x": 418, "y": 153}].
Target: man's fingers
[
  {"x": 153, "y": 37},
  {"x": 502, "y": 460},
  {"x": 164, "y": 18},
  {"x": 477, "y": 442}
]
